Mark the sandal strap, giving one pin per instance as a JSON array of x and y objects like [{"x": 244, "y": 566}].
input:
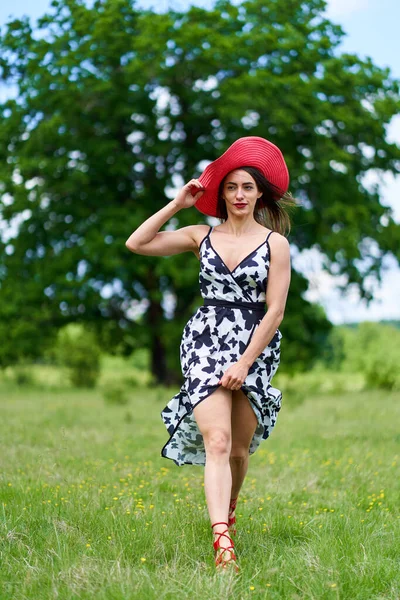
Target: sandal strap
[
  {"x": 232, "y": 504},
  {"x": 219, "y": 560},
  {"x": 220, "y": 523},
  {"x": 232, "y": 508},
  {"x": 224, "y": 561},
  {"x": 221, "y": 534},
  {"x": 217, "y": 545}
]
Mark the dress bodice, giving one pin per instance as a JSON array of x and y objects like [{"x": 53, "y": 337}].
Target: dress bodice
[{"x": 246, "y": 283}]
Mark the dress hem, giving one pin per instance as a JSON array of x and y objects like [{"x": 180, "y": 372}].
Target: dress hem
[{"x": 189, "y": 412}]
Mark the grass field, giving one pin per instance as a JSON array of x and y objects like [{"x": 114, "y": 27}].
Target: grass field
[{"x": 89, "y": 509}]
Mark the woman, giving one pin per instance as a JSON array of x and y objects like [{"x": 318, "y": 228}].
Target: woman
[{"x": 230, "y": 347}]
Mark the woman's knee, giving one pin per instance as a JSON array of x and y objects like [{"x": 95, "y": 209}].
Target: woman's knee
[
  {"x": 239, "y": 455},
  {"x": 218, "y": 442}
]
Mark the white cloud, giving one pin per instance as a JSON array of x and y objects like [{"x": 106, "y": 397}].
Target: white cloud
[{"x": 340, "y": 8}]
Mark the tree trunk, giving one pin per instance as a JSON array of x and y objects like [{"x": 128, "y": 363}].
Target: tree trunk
[{"x": 158, "y": 358}]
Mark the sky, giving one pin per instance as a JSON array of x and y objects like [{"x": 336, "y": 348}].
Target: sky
[{"x": 371, "y": 28}]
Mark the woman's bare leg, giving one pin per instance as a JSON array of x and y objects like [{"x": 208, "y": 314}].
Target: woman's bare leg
[
  {"x": 213, "y": 417},
  {"x": 244, "y": 423}
]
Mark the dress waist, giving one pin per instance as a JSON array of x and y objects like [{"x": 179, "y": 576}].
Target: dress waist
[{"x": 257, "y": 306}]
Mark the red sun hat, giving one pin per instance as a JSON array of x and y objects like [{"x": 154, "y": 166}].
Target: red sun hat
[{"x": 251, "y": 151}]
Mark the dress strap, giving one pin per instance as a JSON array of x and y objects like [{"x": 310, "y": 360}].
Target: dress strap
[
  {"x": 206, "y": 236},
  {"x": 269, "y": 235}
]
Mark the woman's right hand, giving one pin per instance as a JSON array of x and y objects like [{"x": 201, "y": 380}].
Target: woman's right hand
[{"x": 184, "y": 198}]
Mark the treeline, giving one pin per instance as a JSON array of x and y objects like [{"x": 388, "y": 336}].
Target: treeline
[
  {"x": 370, "y": 348},
  {"x": 355, "y": 356}
]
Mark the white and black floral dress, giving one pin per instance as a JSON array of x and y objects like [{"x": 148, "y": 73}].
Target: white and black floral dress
[{"x": 215, "y": 338}]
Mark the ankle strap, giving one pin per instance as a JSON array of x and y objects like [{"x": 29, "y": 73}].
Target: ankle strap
[
  {"x": 232, "y": 505},
  {"x": 220, "y": 523}
]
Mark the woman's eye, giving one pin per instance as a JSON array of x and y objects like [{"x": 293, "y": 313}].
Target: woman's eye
[{"x": 247, "y": 187}]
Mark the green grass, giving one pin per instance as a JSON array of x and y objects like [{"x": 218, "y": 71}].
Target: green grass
[{"x": 89, "y": 509}]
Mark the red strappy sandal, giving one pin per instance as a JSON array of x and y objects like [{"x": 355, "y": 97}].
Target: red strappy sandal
[
  {"x": 232, "y": 520},
  {"x": 219, "y": 561}
]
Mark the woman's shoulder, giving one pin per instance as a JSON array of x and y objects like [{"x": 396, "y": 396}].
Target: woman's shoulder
[
  {"x": 279, "y": 245},
  {"x": 199, "y": 232},
  {"x": 277, "y": 238}
]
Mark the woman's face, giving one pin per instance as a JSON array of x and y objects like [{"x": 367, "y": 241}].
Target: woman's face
[{"x": 240, "y": 192}]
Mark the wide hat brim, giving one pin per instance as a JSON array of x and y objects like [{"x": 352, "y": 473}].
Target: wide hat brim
[{"x": 251, "y": 151}]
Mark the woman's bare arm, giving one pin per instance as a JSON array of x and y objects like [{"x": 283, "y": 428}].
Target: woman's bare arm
[
  {"x": 276, "y": 296},
  {"x": 148, "y": 240},
  {"x": 279, "y": 275}
]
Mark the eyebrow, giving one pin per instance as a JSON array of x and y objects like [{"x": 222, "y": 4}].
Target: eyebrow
[{"x": 233, "y": 183}]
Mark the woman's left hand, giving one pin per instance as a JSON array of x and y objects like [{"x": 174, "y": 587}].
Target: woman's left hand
[{"x": 234, "y": 376}]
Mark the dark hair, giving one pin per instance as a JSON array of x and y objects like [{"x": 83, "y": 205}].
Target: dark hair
[{"x": 270, "y": 207}]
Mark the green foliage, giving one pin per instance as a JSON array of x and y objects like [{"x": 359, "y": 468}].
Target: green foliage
[
  {"x": 382, "y": 370},
  {"x": 77, "y": 350},
  {"x": 298, "y": 387},
  {"x": 116, "y": 104},
  {"x": 370, "y": 348},
  {"x": 116, "y": 393},
  {"x": 140, "y": 359},
  {"x": 25, "y": 332},
  {"x": 377, "y": 352},
  {"x": 23, "y": 375},
  {"x": 304, "y": 328},
  {"x": 133, "y": 371}
]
